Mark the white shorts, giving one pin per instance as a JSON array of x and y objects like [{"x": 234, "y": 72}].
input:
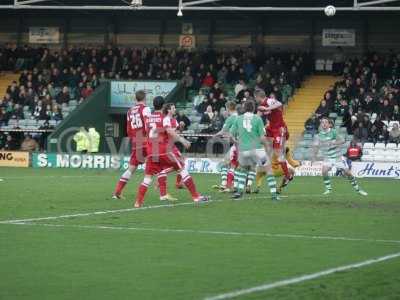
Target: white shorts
[
  {"x": 253, "y": 158},
  {"x": 340, "y": 164}
]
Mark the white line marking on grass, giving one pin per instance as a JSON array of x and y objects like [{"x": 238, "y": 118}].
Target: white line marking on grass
[
  {"x": 212, "y": 232},
  {"x": 269, "y": 286},
  {"x": 100, "y": 212},
  {"x": 266, "y": 197}
]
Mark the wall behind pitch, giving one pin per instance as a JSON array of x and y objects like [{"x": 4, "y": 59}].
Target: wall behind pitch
[
  {"x": 230, "y": 33},
  {"x": 8, "y": 33},
  {"x": 87, "y": 30},
  {"x": 287, "y": 33},
  {"x": 131, "y": 31},
  {"x": 340, "y": 22},
  {"x": 384, "y": 33}
]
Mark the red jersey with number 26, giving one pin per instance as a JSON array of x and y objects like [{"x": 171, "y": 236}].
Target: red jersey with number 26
[
  {"x": 158, "y": 140},
  {"x": 136, "y": 123},
  {"x": 275, "y": 117}
]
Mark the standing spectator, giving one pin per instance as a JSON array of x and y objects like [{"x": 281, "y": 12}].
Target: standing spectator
[
  {"x": 361, "y": 133},
  {"x": 354, "y": 151},
  {"x": 394, "y": 134},
  {"x": 29, "y": 144},
  {"x": 383, "y": 136},
  {"x": 10, "y": 144}
]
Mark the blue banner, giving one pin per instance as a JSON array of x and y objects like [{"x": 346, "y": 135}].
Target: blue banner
[{"x": 123, "y": 92}]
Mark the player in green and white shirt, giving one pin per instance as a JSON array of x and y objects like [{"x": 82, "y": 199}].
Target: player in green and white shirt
[
  {"x": 249, "y": 132},
  {"x": 327, "y": 142},
  {"x": 229, "y": 163}
]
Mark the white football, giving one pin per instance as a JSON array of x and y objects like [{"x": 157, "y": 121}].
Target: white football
[{"x": 330, "y": 10}]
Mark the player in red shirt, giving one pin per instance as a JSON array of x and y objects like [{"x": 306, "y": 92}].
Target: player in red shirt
[
  {"x": 162, "y": 154},
  {"x": 135, "y": 124},
  {"x": 276, "y": 129}
]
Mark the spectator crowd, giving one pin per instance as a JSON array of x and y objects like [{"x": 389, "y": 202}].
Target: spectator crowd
[
  {"x": 51, "y": 80},
  {"x": 367, "y": 99}
]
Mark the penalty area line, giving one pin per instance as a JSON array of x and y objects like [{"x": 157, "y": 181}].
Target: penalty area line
[
  {"x": 211, "y": 232},
  {"x": 307, "y": 277}
]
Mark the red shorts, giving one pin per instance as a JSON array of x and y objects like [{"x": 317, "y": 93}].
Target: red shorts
[
  {"x": 278, "y": 135},
  {"x": 172, "y": 160},
  {"x": 138, "y": 155}
]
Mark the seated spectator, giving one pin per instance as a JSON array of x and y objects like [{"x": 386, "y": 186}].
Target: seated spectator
[
  {"x": 29, "y": 144},
  {"x": 386, "y": 110},
  {"x": 207, "y": 116},
  {"x": 202, "y": 107},
  {"x": 17, "y": 112},
  {"x": 322, "y": 110},
  {"x": 241, "y": 85},
  {"x": 361, "y": 133},
  {"x": 394, "y": 134},
  {"x": 63, "y": 96},
  {"x": 208, "y": 80},
  {"x": 354, "y": 151},
  {"x": 183, "y": 121},
  {"x": 56, "y": 113},
  {"x": 4, "y": 116},
  {"x": 312, "y": 124},
  {"x": 396, "y": 113},
  {"x": 86, "y": 91},
  {"x": 187, "y": 80},
  {"x": 199, "y": 98},
  {"x": 216, "y": 90}
]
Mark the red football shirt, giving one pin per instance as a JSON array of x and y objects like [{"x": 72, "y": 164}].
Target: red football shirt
[
  {"x": 158, "y": 140},
  {"x": 275, "y": 116},
  {"x": 136, "y": 122}
]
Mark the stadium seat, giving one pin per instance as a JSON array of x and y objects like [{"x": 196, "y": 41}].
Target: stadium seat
[
  {"x": 320, "y": 65},
  {"x": 52, "y": 122},
  {"x": 368, "y": 146},
  {"x": 380, "y": 146},
  {"x": 333, "y": 115},
  {"x": 366, "y": 157},
  {"x": 328, "y": 65},
  {"x": 379, "y": 158},
  {"x": 391, "y": 146}
]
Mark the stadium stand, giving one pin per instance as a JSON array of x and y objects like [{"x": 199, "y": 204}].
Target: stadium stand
[
  {"x": 53, "y": 83},
  {"x": 364, "y": 104}
]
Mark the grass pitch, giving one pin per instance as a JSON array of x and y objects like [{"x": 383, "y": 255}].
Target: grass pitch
[{"x": 184, "y": 251}]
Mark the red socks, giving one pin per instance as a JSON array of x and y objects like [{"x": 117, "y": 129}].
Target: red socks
[
  {"x": 141, "y": 193},
  {"x": 189, "y": 183},
  {"x": 162, "y": 184}
]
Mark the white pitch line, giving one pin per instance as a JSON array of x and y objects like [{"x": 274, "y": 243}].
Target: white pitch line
[
  {"x": 213, "y": 232},
  {"x": 269, "y": 286},
  {"x": 266, "y": 197},
  {"x": 99, "y": 212}
]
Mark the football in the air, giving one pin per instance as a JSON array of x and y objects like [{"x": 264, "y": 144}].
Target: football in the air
[{"x": 330, "y": 10}]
